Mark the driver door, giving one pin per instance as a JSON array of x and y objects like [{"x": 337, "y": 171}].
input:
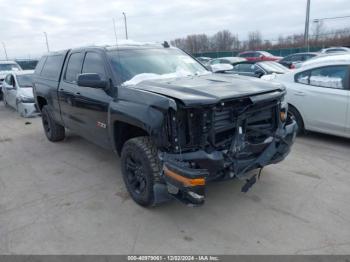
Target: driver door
[{"x": 91, "y": 104}]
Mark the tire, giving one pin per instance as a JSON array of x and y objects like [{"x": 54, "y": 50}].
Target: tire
[
  {"x": 53, "y": 131},
  {"x": 141, "y": 169},
  {"x": 294, "y": 113}
]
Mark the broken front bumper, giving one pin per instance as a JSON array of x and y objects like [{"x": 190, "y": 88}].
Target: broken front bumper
[
  {"x": 27, "y": 109},
  {"x": 186, "y": 174}
]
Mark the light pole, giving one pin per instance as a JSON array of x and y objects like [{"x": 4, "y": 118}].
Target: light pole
[
  {"x": 4, "y": 46},
  {"x": 126, "y": 26},
  {"x": 307, "y": 20},
  {"x": 115, "y": 32},
  {"x": 47, "y": 42}
]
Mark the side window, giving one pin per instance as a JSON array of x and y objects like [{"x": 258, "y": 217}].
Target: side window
[
  {"x": 295, "y": 58},
  {"x": 333, "y": 50},
  {"x": 94, "y": 63},
  {"x": 224, "y": 61},
  {"x": 246, "y": 68},
  {"x": 74, "y": 67},
  {"x": 13, "y": 81},
  {"x": 329, "y": 76},
  {"x": 287, "y": 58},
  {"x": 303, "y": 77},
  {"x": 215, "y": 61},
  {"x": 52, "y": 67},
  {"x": 306, "y": 57},
  {"x": 8, "y": 79}
]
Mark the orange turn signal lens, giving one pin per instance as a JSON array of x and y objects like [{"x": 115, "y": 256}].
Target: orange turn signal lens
[
  {"x": 184, "y": 180},
  {"x": 283, "y": 116}
]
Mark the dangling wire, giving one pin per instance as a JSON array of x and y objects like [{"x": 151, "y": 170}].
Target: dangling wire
[{"x": 260, "y": 172}]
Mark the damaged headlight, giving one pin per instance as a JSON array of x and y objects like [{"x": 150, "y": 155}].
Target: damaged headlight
[{"x": 283, "y": 109}]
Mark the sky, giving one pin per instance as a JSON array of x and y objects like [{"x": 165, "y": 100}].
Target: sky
[{"x": 73, "y": 23}]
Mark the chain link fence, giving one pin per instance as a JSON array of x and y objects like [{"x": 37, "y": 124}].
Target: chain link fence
[{"x": 276, "y": 52}]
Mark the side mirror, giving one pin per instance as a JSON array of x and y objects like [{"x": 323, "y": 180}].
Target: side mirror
[
  {"x": 8, "y": 87},
  {"x": 220, "y": 68},
  {"x": 91, "y": 80}
]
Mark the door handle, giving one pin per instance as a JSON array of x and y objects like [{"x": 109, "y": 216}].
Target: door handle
[
  {"x": 77, "y": 93},
  {"x": 61, "y": 89},
  {"x": 299, "y": 93}
]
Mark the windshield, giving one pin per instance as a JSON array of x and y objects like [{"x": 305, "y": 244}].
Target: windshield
[
  {"x": 9, "y": 67},
  {"x": 134, "y": 66},
  {"x": 25, "y": 80},
  {"x": 273, "y": 67}
]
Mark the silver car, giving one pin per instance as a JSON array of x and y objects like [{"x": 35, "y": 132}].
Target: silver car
[
  {"x": 7, "y": 67},
  {"x": 17, "y": 89}
]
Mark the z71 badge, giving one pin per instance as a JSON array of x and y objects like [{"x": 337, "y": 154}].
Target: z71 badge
[{"x": 102, "y": 125}]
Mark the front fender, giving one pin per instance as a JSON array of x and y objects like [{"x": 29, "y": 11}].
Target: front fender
[{"x": 145, "y": 110}]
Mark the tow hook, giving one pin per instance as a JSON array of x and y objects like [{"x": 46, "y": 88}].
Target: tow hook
[{"x": 249, "y": 183}]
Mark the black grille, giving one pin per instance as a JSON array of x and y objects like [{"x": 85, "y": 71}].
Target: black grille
[{"x": 258, "y": 123}]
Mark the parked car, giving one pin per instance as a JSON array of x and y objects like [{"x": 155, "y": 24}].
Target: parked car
[
  {"x": 27, "y": 64},
  {"x": 18, "y": 92},
  {"x": 175, "y": 125},
  {"x": 336, "y": 49},
  {"x": 203, "y": 59},
  {"x": 318, "y": 95},
  {"x": 337, "y": 56},
  {"x": 259, "y": 56},
  {"x": 226, "y": 60},
  {"x": 294, "y": 60},
  {"x": 258, "y": 69},
  {"x": 7, "y": 66}
]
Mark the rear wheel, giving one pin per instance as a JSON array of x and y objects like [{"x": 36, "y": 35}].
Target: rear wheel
[
  {"x": 294, "y": 113},
  {"x": 141, "y": 169},
  {"x": 53, "y": 131}
]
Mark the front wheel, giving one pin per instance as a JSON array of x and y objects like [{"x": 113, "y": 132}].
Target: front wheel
[
  {"x": 141, "y": 169},
  {"x": 53, "y": 131}
]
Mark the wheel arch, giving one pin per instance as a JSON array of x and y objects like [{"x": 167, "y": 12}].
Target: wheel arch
[
  {"x": 299, "y": 112},
  {"x": 41, "y": 102},
  {"x": 123, "y": 131}
]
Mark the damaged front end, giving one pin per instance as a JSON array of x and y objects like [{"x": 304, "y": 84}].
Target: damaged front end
[{"x": 224, "y": 141}]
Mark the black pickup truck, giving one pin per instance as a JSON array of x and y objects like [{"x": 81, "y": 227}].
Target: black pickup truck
[{"x": 175, "y": 125}]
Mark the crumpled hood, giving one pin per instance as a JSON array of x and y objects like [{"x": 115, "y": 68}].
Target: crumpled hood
[{"x": 208, "y": 89}]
